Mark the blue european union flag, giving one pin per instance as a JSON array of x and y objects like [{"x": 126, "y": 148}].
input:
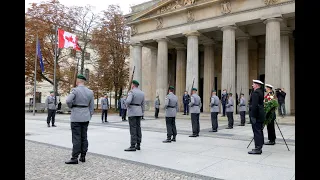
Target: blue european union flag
[{"x": 40, "y": 55}]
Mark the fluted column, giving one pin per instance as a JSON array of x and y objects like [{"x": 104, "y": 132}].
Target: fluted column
[
  {"x": 180, "y": 75},
  {"x": 162, "y": 70},
  {"x": 285, "y": 68},
  {"x": 243, "y": 66},
  {"x": 208, "y": 80},
  {"x": 137, "y": 62},
  {"x": 228, "y": 60},
  {"x": 273, "y": 52},
  {"x": 154, "y": 53},
  {"x": 192, "y": 60}
]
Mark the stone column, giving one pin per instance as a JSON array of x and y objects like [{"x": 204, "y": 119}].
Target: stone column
[
  {"x": 273, "y": 52},
  {"x": 243, "y": 67},
  {"x": 154, "y": 53},
  {"x": 228, "y": 60},
  {"x": 180, "y": 75},
  {"x": 162, "y": 70},
  {"x": 192, "y": 71},
  {"x": 208, "y": 79},
  {"x": 137, "y": 62},
  {"x": 285, "y": 68}
]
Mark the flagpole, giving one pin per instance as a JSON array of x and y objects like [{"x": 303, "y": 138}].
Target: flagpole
[
  {"x": 55, "y": 65},
  {"x": 35, "y": 78}
]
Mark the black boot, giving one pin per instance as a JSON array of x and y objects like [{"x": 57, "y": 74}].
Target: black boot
[
  {"x": 82, "y": 158},
  {"x": 193, "y": 135},
  {"x": 72, "y": 161},
  {"x": 173, "y": 139},
  {"x": 48, "y": 125},
  {"x": 167, "y": 141},
  {"x": 138, "y": 146},
  {"x": 255, "y": 151},
  {"x": 213, "y": 131},
  {"x": 54, "y": 125},
  {"x": 131, "y": 148},
  {"x": 270, "y": 143}
]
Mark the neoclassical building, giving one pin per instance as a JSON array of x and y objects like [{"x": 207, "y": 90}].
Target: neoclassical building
[{"x": 220, "y": 44}]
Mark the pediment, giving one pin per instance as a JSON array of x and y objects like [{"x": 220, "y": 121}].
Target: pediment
[{"x": 163, "y": 7}]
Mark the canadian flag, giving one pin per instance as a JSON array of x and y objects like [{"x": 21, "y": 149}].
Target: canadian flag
[{"x": 67, "y": 40}]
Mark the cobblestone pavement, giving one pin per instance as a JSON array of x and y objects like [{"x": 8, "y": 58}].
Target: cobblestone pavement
[{"x": 43, "y": 161}]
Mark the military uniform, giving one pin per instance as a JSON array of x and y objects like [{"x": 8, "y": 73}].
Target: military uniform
[
  {"x": 123, "y": 109},
  {"x": 270, "y": 127},
  {"x": 156, "y": 106},
  {"x": 186, "y": 101},
  {"x": 171, "y": 108},
  {"x": 214, "y": 109},
  {"x": 195, "y": 106},
  {"x": 81, "y": 102},
  {"x": 104, "y": 107},
  {"x": 242, "y": 110},
  {"x": 229, "y": 111},
  {"x": 135, "y": 109},
  {"x": 257, "y": 116},
  {"x": 51, "y": 106},
  {"x": 224, "y": 102}
]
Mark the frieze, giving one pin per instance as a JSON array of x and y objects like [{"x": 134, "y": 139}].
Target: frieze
[
  {"x": 175, "y": 5},
  {"x": 134, "y": 30},
  {"x": 159, "y": 23},
  {"x": 225, "y": 7},
  {"x": 270, "y": 2},
  {"x": 190, "y": 16}
]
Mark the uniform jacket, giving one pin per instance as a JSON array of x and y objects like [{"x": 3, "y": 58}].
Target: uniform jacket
[
  {"x": 135, "y": 102},
  {"x": 123, "y": 103},
  {"x": 186, "y": 98},
  {"x": 171, "y": 105},
  {"x": 195, "y": 103},
  {"x": 256, "y": 108},
  {"x": 82, "y": 96},
  {"x": 50, "y": 103},
  {"x": 223, "y": 98},
  {"x": 157, "y": 103},
  {"x": 214, "y": 104},
  {"x": 230, "y": 105},
  {"x": 104, "y": 103},
  {"x": 242, "y": 104}
]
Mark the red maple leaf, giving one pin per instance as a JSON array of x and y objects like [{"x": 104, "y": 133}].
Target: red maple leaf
[{"x": 70, "y": 39}]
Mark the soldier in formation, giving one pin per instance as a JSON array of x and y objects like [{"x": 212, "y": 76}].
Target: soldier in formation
[
  {"x": 171, "y": 108},
  {"x": 224, "y": 102},
  {"x": 156, "y": 106},
  {"x": 81, "y": 102},
  {"x": 195, "y": 106},
  {"x": 135, "y": 107},
  {"x": 214, "y": 109},
  {"x": 51, "y": 107},
  {"x": 242, "y": 109},
  {"x": 229, "y": 111},
  {"x": 104, "y": 107}
]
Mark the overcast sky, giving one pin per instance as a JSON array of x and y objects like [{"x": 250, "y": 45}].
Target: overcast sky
[{"x": 99, "y": 4}]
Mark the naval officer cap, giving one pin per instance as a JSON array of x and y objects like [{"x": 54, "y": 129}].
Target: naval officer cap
[
  {"x": 194, "y": 89},
  {"x": 80, "y": 76},
  {"x": 135, "y": 82},
  {"x": 269, "y": 86},
  {"x": 257, "y": 82},
  {"x": 171, "y": 87}
]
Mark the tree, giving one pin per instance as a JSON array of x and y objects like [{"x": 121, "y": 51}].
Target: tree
[
  {"x": 111, "y": 39},
  {"x": 41, "y": 20}
]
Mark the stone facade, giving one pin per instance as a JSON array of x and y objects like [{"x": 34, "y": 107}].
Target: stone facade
[{"x": 221, "y": 44}]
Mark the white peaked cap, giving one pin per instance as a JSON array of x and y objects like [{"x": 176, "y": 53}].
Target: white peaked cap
[
  {"x": 269, "y": 85},
  {"x": 257, "y": 81}
]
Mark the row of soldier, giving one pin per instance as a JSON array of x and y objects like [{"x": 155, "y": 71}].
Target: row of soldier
[{"x": 81, "y": 102}]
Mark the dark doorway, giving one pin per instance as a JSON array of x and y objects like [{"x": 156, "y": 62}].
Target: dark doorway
[
  {"x": 261, "y": 78},
  {"x": 201, "y": 93},
  {"x": 216, "y": 83}
]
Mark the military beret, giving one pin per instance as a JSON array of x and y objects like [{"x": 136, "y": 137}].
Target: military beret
[
  {"x": 171, "y": 87},
  {"x": 214, "y": 91},
  {"x": 135, "y": 82},
  {"x": 80, "y": 76},
  {"x": 51, "y": 91},
  {"x": 194, "y": 89},
  {"x": 230, "y": 94},
  {"x": 241, "y": 94}
]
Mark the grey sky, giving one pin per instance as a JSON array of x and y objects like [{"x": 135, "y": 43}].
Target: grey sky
[{"x": 98, "y": 4}]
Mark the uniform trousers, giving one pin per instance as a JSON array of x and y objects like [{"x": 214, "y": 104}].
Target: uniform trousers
[
  {"x": 79, "y": 138},
  {"x": 195, "y": 123},
  {"x": 185, "y": 108},
  {"x": 171, "y": 127},
  {"x": 135, "y": 130},
  {"x": 156, "y": 113},
  {"x": 257, "y": 129},
  {"x": 214, "y": 120},
  {"x": 51, "y": 116},
  {"x": 105, "y": 114},
  {"x": 230, "y": 119},
  {"x": 271, "y": 131},
  {"x": 124, "y": 113},
  {"x": 243, "y": 117}
]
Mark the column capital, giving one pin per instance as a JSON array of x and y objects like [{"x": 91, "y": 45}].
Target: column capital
[
  {"x": 243, "y": 38},
  {"x": 232, "y": 27},
  {"x": 192, "y": 33},
  {"x": 272, "y": 20},
  {"x": 162, "y": 39},
  {"x": 180, "y": 48},
  {"x": 136, "y": 44}
]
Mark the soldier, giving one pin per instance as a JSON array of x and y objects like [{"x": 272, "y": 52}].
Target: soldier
[
  {"x": 224, "y": 102},
  {"x": 229, "y": 111},
  {"x": 270, "y": 127},
  {"x": 257, "y": 116},
  {"x": 195, "y": 106},
  {"x": 135, "y": 107},
  {"x": 104, "y": 107},
  {"x": 186, "y": 100},
  {"x": 123, "y": 108},
  {"x": 171, "y": 107},
  {"x": 81, "y": 102},
  {"x": 242, "y": 109},
  {"x": 214, "y": 104},
  {"x": 156, "y": 106},
  {"x": 51, "y": 106}
]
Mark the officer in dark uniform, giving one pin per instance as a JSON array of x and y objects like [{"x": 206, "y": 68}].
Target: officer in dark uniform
[
  {"x": 51, "y": 106},
  {"x": 135, "y": 109},
  {"x": 186, "y": 100},
  {"x": 270, "y": 127},
  {"x": 224, "y": 102},
  {"x": 171, "y": 108},
  {"x": 81, "y": 102},
  {"x": 257, "y": 115},
  {"x": 195, "y": 106}
]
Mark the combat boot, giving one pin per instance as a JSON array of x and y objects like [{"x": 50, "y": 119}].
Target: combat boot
[
  {"x": 138, "y": 146},
  {"x": 131, "y": 148},
  {"x": 72, "y": 161}
]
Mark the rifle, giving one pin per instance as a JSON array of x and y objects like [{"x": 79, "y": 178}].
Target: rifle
[
  {"x": 240, "y": 95},
  {"x": 130, "y": 82},
  {"x": 229, "y": 92},
  {"x": 191, "y": 89}
]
